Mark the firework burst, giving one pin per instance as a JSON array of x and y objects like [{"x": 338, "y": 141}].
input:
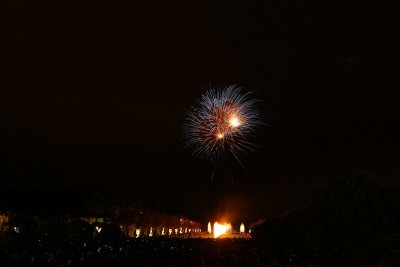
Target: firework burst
[{"x": 221, "y": 123}]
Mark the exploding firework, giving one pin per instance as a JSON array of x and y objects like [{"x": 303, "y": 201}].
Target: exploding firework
[{"x": 221, "y": 123}]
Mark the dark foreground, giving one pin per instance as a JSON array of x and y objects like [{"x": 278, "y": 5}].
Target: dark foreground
[{"x": 140, "y": 252}]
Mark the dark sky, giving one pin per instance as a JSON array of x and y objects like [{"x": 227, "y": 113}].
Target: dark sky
[{"x": 95, "y": 94}]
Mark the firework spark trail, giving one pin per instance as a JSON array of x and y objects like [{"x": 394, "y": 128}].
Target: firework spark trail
[{"x": 222, "y": 121}]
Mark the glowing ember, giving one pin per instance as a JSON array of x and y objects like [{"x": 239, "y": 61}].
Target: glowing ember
[
  {"x": 209, "y": 227},
  {"x": 220, "y": 229}
]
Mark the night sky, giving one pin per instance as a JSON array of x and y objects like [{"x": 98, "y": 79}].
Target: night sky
[{"x": 94, "y": 96}]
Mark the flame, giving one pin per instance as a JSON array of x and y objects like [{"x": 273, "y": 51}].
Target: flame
[
  {"x": 220, "y": 229},
  {"x": 137, "y": 232},
  {"x": 242, "y": 228}
]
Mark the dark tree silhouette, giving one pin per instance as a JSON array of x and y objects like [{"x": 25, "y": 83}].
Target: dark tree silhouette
[
  {"x": 111, "y": 233},
  {"x": 354, "y": 222},
  {"x": 80, "y": 231}
]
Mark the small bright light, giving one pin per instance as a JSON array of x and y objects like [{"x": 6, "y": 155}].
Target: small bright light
[
  {"x": 220, "y": 136},
  {"x": 234, "y": 122}
]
